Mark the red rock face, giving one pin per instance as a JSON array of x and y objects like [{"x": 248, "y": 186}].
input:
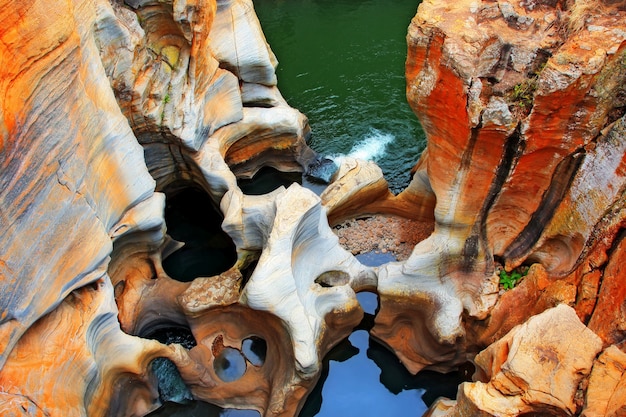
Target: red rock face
[
  {"x": 514, "y": 109},
  {"x": 524, "y": 110}
]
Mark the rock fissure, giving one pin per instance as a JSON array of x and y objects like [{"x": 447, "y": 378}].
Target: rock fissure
[{"x": 562, "y": 178}]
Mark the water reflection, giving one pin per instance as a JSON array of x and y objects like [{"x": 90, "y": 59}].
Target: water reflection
[
  {"x": 352, "y": 386},
  {"x": 254, "y": 349},
  {"x": 229, "y": 365},
  {"x": 363, "y": 378}
]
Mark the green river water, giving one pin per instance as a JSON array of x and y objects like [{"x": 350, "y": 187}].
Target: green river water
[{"x": 341, "y": 63}]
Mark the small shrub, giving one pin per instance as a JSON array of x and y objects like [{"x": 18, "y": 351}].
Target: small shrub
[
  {"x": 509, "y": 280},
  {"x": 523, "y": 93}
]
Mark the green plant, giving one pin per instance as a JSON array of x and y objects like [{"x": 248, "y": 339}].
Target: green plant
[
  {"x": 509, "y": 280},
  {"x": 523, "y": 92},
  {"x": 166, "y": 99}
]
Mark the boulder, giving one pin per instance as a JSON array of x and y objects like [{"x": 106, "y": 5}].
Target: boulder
[{"x": 531, "y": 370}]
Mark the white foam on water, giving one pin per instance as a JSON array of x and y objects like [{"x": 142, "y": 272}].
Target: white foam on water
[{"x": 370, "y": 148}]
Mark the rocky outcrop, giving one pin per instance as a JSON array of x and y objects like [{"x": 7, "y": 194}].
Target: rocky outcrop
[
  {"x": 606, "y": 395},
  {"x": 528, "y": 115},
  {"x": 85, "y": 85},
  {"x": 533, "y": 369}
]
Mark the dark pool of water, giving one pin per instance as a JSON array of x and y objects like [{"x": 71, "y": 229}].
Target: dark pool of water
[
  {"x": 192, "y": 218},
  {"x": 341, "y": 62},
  {"x": 269, "y": 179},
  {"x": 360, "y": 378}
]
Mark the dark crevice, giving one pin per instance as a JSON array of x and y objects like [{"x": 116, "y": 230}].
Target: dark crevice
[
  {"x": 260, "y": 104},
  {"x": 247, "y": 272},
  {"x": 503, "y": 63},
  {"x": 469, "y": 150},
  {"x": 513, "y": 148},
  {"x": 559, "y": 185},
  {"x": 168, "y": 333},
  {"x": 192, "y": 218},
  {"x": 268, "y": 179}
]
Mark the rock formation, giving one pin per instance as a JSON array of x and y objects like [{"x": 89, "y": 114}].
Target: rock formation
[
  {"x": 531, "y": 370},
  {"x": 111, "y": 108},
  {"x": 532, "y": 94}
]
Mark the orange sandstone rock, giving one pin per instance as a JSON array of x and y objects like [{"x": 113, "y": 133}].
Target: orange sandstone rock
[
  {"x": 533, "y": 369},
  {"x": 606, "y": 395}
]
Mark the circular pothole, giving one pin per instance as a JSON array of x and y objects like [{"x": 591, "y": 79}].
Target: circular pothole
[
  {"x": 229, "y": 365},
  {"x": 254, "y": 349}
]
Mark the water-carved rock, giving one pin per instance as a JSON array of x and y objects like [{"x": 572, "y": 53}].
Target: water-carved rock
[
  {"x": 532, "y": 369},
  {"x": 111, "y": 107}
]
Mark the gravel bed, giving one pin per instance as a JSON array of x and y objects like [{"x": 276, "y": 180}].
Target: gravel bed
[{"x": 382, "y": 234}]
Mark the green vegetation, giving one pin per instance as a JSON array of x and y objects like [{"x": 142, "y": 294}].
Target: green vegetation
[
  {"x": 509, "y": 280},
  {"x": 166, "y": 99},
  {"x": 523, "y": 93}
]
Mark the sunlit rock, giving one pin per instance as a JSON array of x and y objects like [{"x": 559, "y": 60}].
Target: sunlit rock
[
  {"x": 84, "y": 82},
  {"x": 521, "y": 115},
  {"x": 533, "y": 369},
  {"x": 91, "y": 366},
  {"x": 358, "y": 188},
  {"x": 289, "y": 283},
  {"x": 64, "y": 155},
  {"x": 110, "y": 108},
  {"x": 606, "y": 395}
]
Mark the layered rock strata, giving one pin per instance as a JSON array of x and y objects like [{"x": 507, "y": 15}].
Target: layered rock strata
[
  {"x": 110, "y": 108},
  {"x": 85, "y": 84},
  {"x": 526, "y": 102},
  {"x": 525, "y": 158}
]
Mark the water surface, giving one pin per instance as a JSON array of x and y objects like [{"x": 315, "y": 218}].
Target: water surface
[{"x": 341, "y": 63}]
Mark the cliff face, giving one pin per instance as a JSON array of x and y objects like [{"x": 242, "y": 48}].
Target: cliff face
[
  {"x": 523, "y": 106},
  {"x": 111, "y": 108},
  {"x": 84, "y": 85}
]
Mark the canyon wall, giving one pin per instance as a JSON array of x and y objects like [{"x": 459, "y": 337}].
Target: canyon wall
[
  {"x": 112, "y": 108},
  {"x": 524, "y": 109}
]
